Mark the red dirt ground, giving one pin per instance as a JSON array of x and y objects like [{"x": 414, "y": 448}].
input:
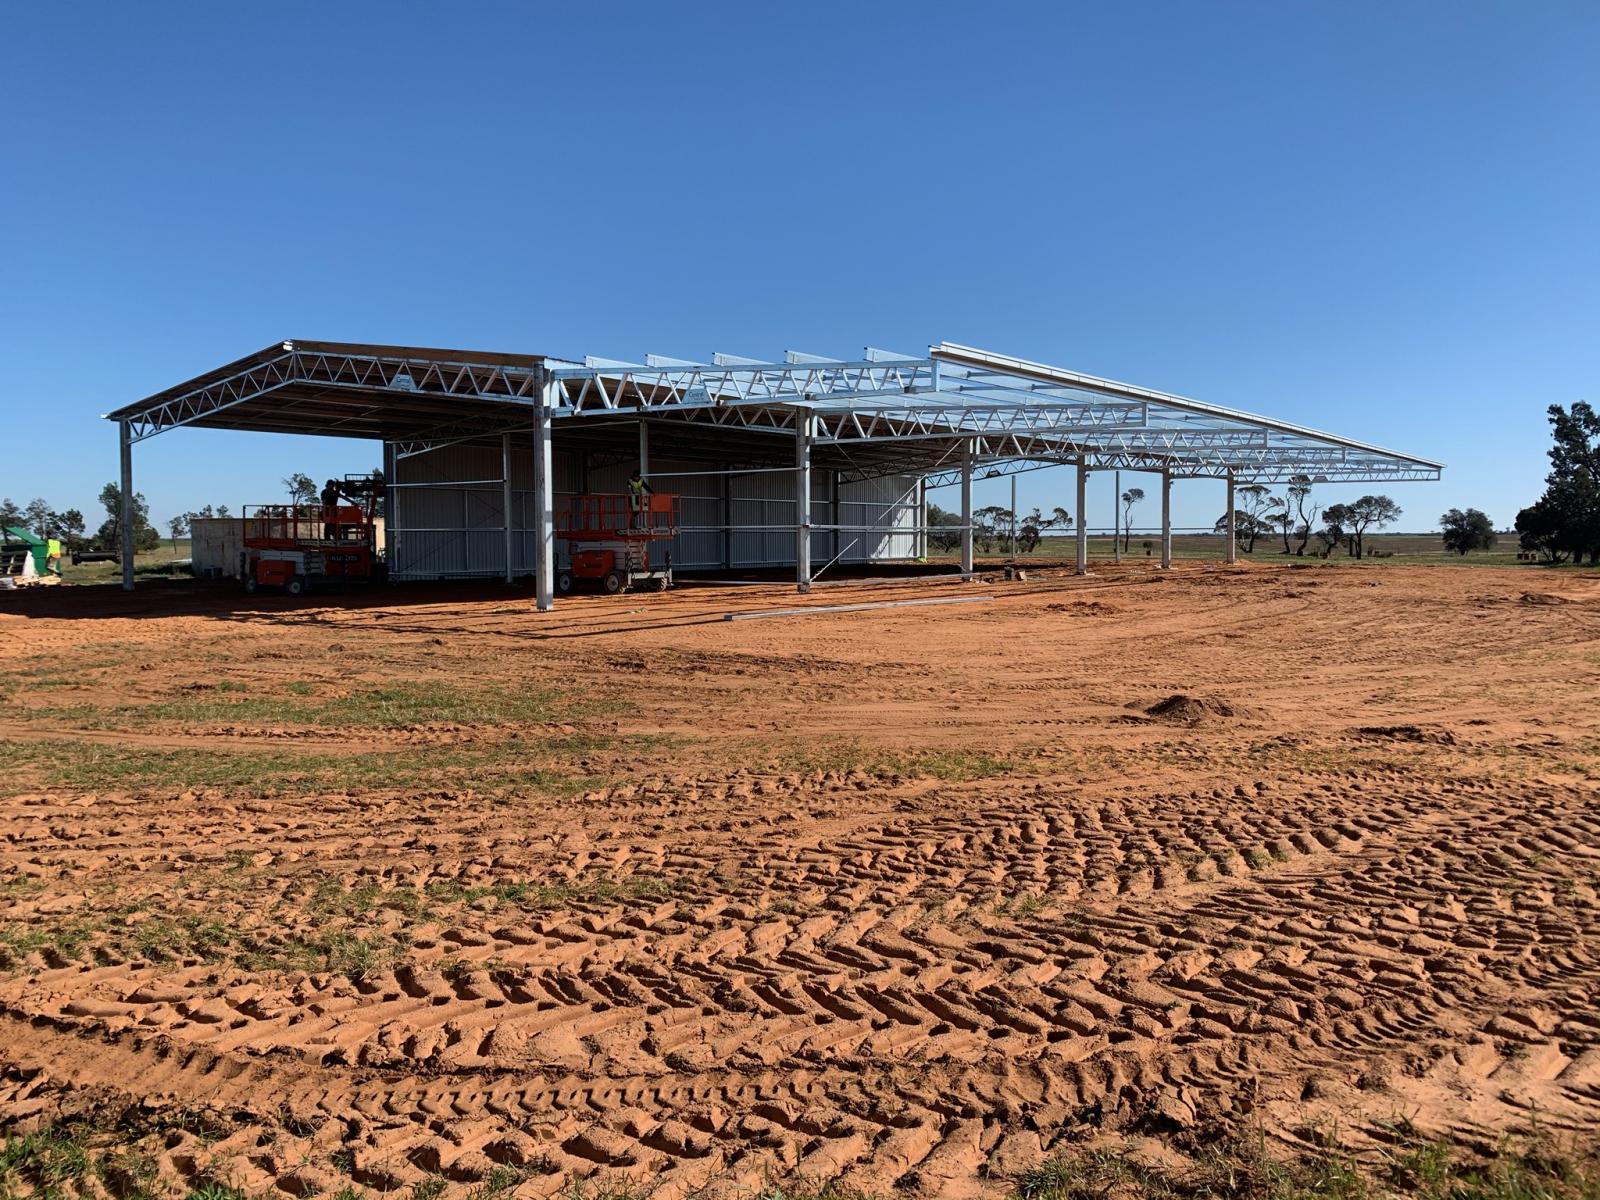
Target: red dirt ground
[{"x": 907, "y": 898}]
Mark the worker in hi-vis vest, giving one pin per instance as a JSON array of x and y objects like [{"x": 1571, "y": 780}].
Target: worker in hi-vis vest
[
  {"x": 637, "y": 490},
  {"x": 52, "y": 555}
]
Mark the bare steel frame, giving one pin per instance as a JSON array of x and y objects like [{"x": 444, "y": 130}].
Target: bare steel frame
[{"x": 938, "y": 417}]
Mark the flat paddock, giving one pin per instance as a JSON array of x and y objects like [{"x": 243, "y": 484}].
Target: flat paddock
[{"x": 420, "y": 884}]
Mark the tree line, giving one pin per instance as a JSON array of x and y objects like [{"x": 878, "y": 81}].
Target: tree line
[
  {"x": 1258, "y": 513},
  {"x": 1298, "y": 519},
  {"x": 1564, "y": 523},
  {"x": 39, "y": 518},
  {"x": 69, "y": 525}
]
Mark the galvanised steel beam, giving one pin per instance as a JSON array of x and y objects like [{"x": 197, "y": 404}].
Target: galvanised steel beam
[
  {"x": 411, "y": 376},
  {"x": 1007, "y": 408}
]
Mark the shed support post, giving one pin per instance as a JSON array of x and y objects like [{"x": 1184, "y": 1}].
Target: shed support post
[
  {"x": 644, "y": 474},
  {"x": 1116, "y": 518},
  {"x": 389, "y": 461},
  {"x": 1233, "y": 524},
  {"x": 802, "y": 500},
  {"x": 1082, "y": 564},
  {"x": 966, "y": 509},
  {"x": 833, "y": 510},
  {"x": 125, "y": 517},
  {"x": 544, "y": 516},
  {"x": 922, "y": 518},
  {"x": 505, "y": 499},
  {"x": 1166, "y": 520}
]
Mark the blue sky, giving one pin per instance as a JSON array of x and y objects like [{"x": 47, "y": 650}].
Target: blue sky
[{"x": 1379, "y": 219}]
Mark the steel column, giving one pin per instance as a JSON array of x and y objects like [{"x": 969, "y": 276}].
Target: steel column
[
  {"x": 834, "y": 515},
  {"x": 644, "y": 474},
  {"x": 802, "y": 500},
  {"x": 505, "y": 497},
  {"x": 966, "y": 508},
  {"x": 1013, "y": 518},
  {"x": 1233, "y": 523},
  {"x": 922, "y": 518},
  {"x": 544, "y": 520},
  {"x": 1082, "y": 564},
  {"x": 1116, "y": 518},
  {"x": 125, "y": 516},
  {"x": 1166, "y": 519},
  {"x": 388, "y": 503}
]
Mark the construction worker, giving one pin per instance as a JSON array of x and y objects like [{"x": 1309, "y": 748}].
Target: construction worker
[
  {"x": 638, "y": 489},
  {"x": 52, "y": 556},
  {"x": 330, "y": 511}
]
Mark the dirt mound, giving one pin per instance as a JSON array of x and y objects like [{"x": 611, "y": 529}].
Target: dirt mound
[
  {"x": 1191, "y": 710},
  {"x": 1543, "y": 598}
]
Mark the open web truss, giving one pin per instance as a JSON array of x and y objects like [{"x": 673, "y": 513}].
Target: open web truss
[
  {"x": 884, "y": 413},
  {"x": 1011, "y": 414}
]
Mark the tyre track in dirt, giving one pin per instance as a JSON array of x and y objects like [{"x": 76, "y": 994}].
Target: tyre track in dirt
[
  {"x": 1123, "y": 1002},
  {"x": 1341, "y": 894}
]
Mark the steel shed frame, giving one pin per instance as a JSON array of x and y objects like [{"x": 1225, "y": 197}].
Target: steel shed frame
[{"x": 940, "y": 417}]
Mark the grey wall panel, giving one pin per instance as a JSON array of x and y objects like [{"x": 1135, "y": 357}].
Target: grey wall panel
[{"x": 455, "y": 529}]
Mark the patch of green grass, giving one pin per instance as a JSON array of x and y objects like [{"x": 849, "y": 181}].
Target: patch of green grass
[
  {"x": 215, "y": 1190},
  {"x": 336, "y": 952},
  {"x": 74, "y": 1158},
  {"x": 15, "y": 887},
  {"x": 954, "y": 765},
  {"x": 135, "y": 932},
  {"x": 622, "y": 1188},
  {"x": 430, "y": 1188},
  {"x": 394, "y": 706},
  {"x": 586, "y": 889},
  {"x": 1244, "y": 1169},
  {"x": 499, "y": 1182},
  {"x": 529, "y": 765},
  {"x": 191, "y": 935},
  {"x": 67, "y": 937},
  {"x": 1020, "y": 907}
]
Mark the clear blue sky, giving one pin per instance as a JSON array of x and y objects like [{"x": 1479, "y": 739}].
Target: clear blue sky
[{"x": 1379, "y": 219}]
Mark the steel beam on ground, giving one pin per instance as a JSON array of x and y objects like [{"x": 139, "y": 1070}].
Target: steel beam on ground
[
  {"x": 1081, "y": 565},
  {"x": 544, "y": 518},
  {"x": 125, "y": 516},
  {"x": 1166, "y": 519}
]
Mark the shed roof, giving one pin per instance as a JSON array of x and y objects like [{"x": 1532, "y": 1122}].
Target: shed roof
[{"x": 881, "y": 413}]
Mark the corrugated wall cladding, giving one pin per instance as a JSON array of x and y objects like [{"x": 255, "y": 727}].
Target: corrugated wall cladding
[{"x": 456, "y": 529}]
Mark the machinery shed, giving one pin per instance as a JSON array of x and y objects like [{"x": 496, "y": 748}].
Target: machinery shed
[
  {"x": 805, "y": 461},
  {"x": 447, "y": 512}
]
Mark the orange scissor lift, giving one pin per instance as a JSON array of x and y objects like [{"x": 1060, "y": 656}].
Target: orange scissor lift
[
  {"x": 300, "y": 546},
  {"x": 607, "y": 540}
]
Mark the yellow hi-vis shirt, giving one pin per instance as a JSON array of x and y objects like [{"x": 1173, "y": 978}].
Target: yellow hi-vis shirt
[{"x": 52, "y": 548}]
